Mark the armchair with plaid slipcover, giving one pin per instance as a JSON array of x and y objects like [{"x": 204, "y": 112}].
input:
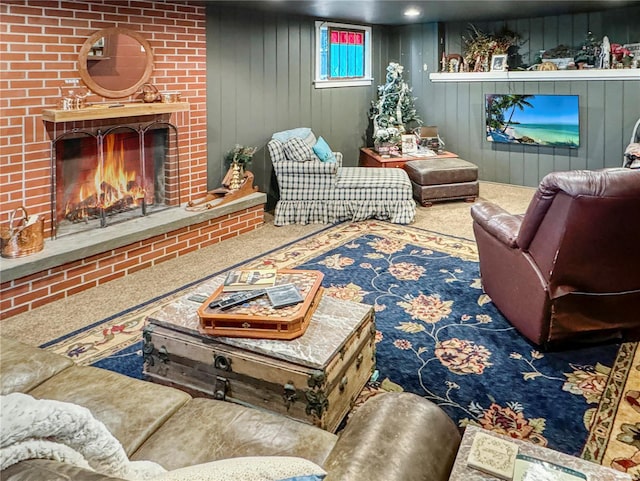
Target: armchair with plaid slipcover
[{"x": 316, "y": 188}]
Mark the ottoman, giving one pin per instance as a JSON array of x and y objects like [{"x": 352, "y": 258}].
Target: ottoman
[{"x": 443, "y": 179}]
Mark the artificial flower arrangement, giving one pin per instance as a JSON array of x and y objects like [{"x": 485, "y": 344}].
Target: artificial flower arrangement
[
  {"x": 480, "y": 46},
  {"x": 389, "y": 134},
  {"x": 240, "y": 155}
]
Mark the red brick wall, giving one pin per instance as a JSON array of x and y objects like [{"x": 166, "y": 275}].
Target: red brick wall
[
  {"x": 39, "y": 45},
  {"x": 43, "y": 287}
]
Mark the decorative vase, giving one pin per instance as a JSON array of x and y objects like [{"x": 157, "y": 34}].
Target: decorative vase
[{"x": 236, "y": 177}]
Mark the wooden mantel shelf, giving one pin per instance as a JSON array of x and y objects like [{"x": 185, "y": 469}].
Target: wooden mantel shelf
[
  {"x": 537, "y": 76},
  {"x": 105, "y": 111}
]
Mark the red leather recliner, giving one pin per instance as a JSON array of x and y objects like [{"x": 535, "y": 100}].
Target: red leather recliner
[{"x": 570, "y": 266}]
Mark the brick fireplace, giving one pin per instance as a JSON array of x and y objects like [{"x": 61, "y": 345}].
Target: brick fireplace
[
  {"x": 103, "y": 178},
  {"x": 40, "y": 41}
]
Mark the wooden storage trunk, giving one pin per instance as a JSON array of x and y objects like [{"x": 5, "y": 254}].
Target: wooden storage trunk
[{"x": 314, "y": 378}]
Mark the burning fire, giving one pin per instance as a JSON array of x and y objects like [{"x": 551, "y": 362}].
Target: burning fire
[{"x": 114, "y": 189}]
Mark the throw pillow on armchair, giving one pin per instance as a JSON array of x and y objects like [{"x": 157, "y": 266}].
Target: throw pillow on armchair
[{"x": 298, "y": 149}]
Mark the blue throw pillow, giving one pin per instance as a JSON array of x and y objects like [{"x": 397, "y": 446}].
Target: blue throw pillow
[{"x": 323, "y": 151}]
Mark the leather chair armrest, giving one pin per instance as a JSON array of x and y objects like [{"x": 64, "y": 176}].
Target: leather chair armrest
[
  {"x": 497, "y": 222},
  {"x": 395, "y": 436}
]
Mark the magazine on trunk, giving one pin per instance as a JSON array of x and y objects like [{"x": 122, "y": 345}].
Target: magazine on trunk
[{"x": 249, "y": 279}]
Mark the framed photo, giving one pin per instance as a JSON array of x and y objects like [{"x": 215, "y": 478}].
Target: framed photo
[
  {"x": 634, "y": 48},
  {"x": 499, "y": 63},
  {"x": 409, "y": 144}
]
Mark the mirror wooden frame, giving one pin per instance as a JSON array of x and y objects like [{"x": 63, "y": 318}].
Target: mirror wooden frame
[{"x": 83, "y": 65}]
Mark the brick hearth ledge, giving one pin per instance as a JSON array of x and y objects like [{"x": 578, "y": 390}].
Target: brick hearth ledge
[{"x": 64, "y": 266}]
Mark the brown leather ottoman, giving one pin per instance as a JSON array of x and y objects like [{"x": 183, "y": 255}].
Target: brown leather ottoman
[{"x": 443, "y": 179}]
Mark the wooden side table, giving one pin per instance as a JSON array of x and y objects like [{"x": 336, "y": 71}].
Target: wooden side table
[
  {"x": 370, "y": 158},
  {"x": 593, "y": 471}
]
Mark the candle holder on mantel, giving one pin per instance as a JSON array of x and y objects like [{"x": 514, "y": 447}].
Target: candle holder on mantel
[{"x": 73, "y": 96}]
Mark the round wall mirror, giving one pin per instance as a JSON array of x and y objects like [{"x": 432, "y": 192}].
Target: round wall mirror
[{"x": 115, "y": 62}]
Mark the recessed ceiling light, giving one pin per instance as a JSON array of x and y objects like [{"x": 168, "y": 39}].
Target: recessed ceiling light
[{"x": 411, "y": 12}]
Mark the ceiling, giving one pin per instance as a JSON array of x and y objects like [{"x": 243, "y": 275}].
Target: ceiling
[{"x": 385, "y": 12}]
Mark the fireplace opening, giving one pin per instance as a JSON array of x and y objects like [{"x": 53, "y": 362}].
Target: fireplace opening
[{"x": 104, "y": 178}]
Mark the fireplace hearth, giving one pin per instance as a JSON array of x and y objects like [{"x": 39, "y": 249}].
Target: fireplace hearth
[{"x": 110, "y": 176}]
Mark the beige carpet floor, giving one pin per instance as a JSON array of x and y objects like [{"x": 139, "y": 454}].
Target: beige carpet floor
[{"x": 61, "y": 317}]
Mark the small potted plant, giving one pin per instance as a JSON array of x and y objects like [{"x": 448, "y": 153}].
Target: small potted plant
[
  {"x": 237, "y": 160},
  {"x": 240, "y": 156}
]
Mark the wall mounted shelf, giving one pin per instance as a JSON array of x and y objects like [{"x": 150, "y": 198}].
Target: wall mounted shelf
[
  {"x": 537, "y": 76},
  {"x": 112, "y": 110}
]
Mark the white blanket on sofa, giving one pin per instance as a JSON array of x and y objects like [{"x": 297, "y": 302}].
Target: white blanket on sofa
[{"x": 45, "y": 429}]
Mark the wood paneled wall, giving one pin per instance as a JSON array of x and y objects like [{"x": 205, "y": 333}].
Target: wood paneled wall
[
  {"x": 259, "y": 81},
  {"x": 260, "y": 69},
  {"x": 608, "y": 109}
]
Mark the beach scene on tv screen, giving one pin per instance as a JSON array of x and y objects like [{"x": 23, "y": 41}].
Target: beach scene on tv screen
[{"x": 544, "y": 120}]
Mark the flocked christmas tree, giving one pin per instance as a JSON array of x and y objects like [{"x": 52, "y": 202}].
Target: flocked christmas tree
[{"x": 394, "y": 109}]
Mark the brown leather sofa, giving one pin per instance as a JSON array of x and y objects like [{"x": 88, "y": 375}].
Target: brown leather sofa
[
  {"x": 393, "y": 436},
  {"x": 570, "y": 267}
]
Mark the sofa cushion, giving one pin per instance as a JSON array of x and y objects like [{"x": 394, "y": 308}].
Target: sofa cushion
[
  {"x": 255, "y": 468},
  {"x": 205, "y": 430},
  {"x": 298, "y": 149},
  {"x": 131, "y": 409},
  {"x": 24, "y": 366},
  {"x": 441, "y": 171},
  {"x": 323, "y": 151}
]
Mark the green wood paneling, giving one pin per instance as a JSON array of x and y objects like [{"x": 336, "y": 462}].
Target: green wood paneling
[
  {"x": 260, "y": 68},
  {"x": 608, "y": 110}
]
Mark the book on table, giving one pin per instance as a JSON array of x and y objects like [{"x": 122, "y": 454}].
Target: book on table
[
  {"x": 528, "y": 468},
  {"x": 249, "y": 279},
  {"x": 493, "y": 455}
]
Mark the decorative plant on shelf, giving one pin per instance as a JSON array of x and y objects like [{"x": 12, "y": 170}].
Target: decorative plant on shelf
[
  {"x": 237, "y": 160},
  {"x": 480, "y": 46},
  {"x": 240, "y": 155},
  {"x": 394, "y": 109}
]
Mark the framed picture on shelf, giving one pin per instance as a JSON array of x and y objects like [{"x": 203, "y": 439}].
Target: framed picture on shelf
[
  {"x": 409, "y": 144},
  {"x": 499, "y": 63}
]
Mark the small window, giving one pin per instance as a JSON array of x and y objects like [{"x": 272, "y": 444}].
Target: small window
[{"x": 343, "y": 55}]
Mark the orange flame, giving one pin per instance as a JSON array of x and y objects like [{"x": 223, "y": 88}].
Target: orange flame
[
  {"x": 111, "y": 183},
  {"x": 113, "y": 174}
]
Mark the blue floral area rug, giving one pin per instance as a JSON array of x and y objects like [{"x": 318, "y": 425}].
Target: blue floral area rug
[{"x": 438, "y": 334}]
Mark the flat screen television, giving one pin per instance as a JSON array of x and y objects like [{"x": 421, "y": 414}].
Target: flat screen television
[{"x": 540, "y": 120}]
